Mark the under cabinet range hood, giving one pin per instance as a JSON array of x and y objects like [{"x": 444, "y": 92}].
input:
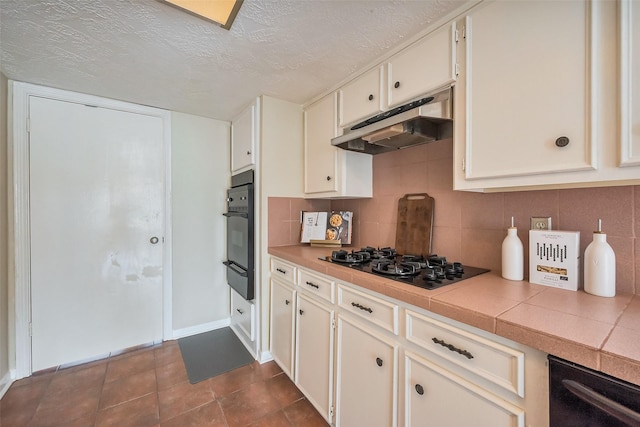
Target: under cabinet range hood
[{"x": 418, "y": 122}]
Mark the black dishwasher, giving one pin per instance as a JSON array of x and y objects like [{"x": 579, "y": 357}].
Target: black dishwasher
[{"x": 582, "y": 397}]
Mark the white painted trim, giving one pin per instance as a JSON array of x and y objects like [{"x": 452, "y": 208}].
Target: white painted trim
[
  {"x": 5, "y": 383},
  {"x": 204, "y": 327},
  {"x": 265, "y": 356},
  {"x": 627, "y": 156},
  {"x": 19, "y": 147}
]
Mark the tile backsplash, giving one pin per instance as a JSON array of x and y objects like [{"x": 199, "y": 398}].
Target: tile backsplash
[{"x": 469, "y": 227}]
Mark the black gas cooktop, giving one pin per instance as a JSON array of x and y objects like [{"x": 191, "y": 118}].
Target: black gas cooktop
[{"x": 430, "y": 272}]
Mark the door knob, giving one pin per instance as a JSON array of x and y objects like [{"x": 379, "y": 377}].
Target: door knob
[{"x": 154, "y": 240}]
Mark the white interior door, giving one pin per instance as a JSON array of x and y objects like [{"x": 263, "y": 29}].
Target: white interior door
[{"x": 96, "y": 202}]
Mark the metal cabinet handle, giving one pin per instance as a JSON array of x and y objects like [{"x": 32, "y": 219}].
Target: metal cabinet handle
[
  {"x": 287, "y": 302},
  {"x": 562, "y": 141},
  {"x": 452, "y": 347},
  {"x": 279, "y": 270},
  {"x": 419, "y": 389},
  {"x": 371, "y": 97},
  {"x": 313, "y": 285},
  {"x": 396, "y": 85},
  {"x": 362, "y": 307},
  {"x": 378, "y": 361},
  {"x": 239, "y": 311},
  {"x": 328, "y": 178},
  {"x": 300, "y": 311},
  {"x": 616, "y": 410},
  {"x": 248, "y": 153},
  {"x": 154, "y": 240}
]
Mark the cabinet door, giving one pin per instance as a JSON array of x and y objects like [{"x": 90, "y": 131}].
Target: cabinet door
[
  {"x": 320, "y": 157},
  {"x": 527, "y": 91},
  {"x": 283, "y": 318},
  {"x": 314, "y": 354},
  {"x": 360, "y": 99},
  {"x": 437, "y": 397},
  {"x": 243, "y": 139},
  {"x": 629, "y": 82},
  {"x": 427, "y": 65},
  {"x": 367, "y": 377}
]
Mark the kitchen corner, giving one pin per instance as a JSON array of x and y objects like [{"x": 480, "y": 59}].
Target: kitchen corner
[{"x": 600, "y": 333}]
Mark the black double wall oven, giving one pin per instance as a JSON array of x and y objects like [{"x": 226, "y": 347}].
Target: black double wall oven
[{"x": 240, "y": 235}]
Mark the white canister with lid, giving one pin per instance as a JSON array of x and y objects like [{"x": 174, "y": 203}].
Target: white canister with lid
[
  {"x": 512, "y": 255},
  {"x": 600, "y": 266}
]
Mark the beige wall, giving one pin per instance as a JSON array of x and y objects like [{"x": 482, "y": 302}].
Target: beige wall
[
  {"x": 4, "y": 224},
  {"x": 469, "y": 227},
  {"x": 200, "y": 178}
]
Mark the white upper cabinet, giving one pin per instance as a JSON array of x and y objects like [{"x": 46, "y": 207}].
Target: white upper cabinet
[
  {"x": 244, "y": 132},
  {"x": 361, "y": 98},
  {"x": 428, "y": 64},
  {"x": 330, "y": 171},
  {"x": 536, "y": 98},
  {"x": 629, "y": 13}
]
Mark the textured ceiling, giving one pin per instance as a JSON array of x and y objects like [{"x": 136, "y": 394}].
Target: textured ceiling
[{"x": 147, "y": 52}]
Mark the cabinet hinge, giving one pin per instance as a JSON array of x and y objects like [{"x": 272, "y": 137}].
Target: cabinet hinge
[
  {"x": 28, "y": 125},
  {"x": 331, "y": 411},
  {"x": 463, "y": 165},
  {"x": 456, "y": 36},
  {"x": 457, "y": 69},
  {"x": 333, "y": 323},
  {"x": 464, "y": 32},
  {"x": 30, "y": 329}
]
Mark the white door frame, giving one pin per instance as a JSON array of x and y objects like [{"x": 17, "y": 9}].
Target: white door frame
[{"x": 20, "y": 241}]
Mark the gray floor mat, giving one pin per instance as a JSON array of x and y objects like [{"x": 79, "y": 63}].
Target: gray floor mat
[{"x": 212, "y": 353}]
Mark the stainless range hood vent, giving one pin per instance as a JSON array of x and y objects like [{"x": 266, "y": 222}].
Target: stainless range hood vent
[{"x": 424, "y": 120}]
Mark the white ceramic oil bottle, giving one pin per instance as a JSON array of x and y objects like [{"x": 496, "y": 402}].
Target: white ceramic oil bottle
[
  {"x": 600, "y": 266},
  {"x": 512, "y": 255}
]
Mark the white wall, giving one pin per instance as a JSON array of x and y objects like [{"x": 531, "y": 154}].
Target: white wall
[
  {"x": 200, "y": 178},
  {"x": 4, "y": 250}
]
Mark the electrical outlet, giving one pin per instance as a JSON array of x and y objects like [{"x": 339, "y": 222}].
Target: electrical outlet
[{"x": 540, "y": 223}]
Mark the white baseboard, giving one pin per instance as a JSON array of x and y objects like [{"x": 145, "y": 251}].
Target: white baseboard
[
  {"x": 265, "y": 356},
  {"x": 5, "y": 383},
  {"x": 198, "y": 329}
]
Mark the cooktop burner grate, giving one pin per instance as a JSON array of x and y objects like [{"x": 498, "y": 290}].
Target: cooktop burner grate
[{"x": 429, "y": 272}]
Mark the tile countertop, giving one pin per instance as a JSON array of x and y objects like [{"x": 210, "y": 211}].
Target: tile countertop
[{"x": 600, "y": 333}]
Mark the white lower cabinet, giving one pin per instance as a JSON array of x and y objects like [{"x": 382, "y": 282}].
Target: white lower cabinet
[
  {"x": 437, "y": 397},
  {"x": 314, "y": 353},
  {"x": 394, "y": 364},
  {"x": 283, "y": 317},
  {"x": 367, "y": 376}
]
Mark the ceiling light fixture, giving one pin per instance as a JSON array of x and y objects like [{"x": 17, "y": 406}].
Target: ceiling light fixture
[{"x": 220, "y": 12}]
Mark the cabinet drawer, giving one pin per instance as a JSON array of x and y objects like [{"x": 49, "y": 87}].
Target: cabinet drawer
[
  {"x": 243, "y": 315},
  {"x": 316, "y": 285},
  {"x": 376, "y": 310},
  {"x": 499, "y": 364},
  {"x": 284, "y": 271}
]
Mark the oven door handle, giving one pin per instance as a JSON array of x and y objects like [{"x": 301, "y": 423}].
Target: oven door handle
[
  {"x": 616, "y": 410},
  {"x": 239, "y": 269},
  {"x": 236, "y": 214}
]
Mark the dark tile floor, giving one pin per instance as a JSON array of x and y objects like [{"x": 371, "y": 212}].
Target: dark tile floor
[{"x": 149, "y": 387}]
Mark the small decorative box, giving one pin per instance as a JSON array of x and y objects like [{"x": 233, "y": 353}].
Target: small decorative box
[{"x": 554, "y": 258}]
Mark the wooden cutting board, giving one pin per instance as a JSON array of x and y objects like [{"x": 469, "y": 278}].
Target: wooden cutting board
[{"x": 415, "y": 224}]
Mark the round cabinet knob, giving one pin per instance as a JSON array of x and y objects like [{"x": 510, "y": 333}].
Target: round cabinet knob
[
  {"x": 396, "y": 85},
  {"x": 328, "y": 178},
  {"x": 154, "y": 240},
  {"x": 370, "y": 97},
  {"x": 563, "y": 141},
  {"x": 301, "y": 311},
  {"x": 419, "y": 389},
  {"x": 378, "y": 361},
  {"x": 248, "y": 153},
  {"x": 287, "y": 302}
]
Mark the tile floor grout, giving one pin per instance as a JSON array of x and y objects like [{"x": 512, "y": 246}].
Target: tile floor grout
[{"x": 149, "y": 387}]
